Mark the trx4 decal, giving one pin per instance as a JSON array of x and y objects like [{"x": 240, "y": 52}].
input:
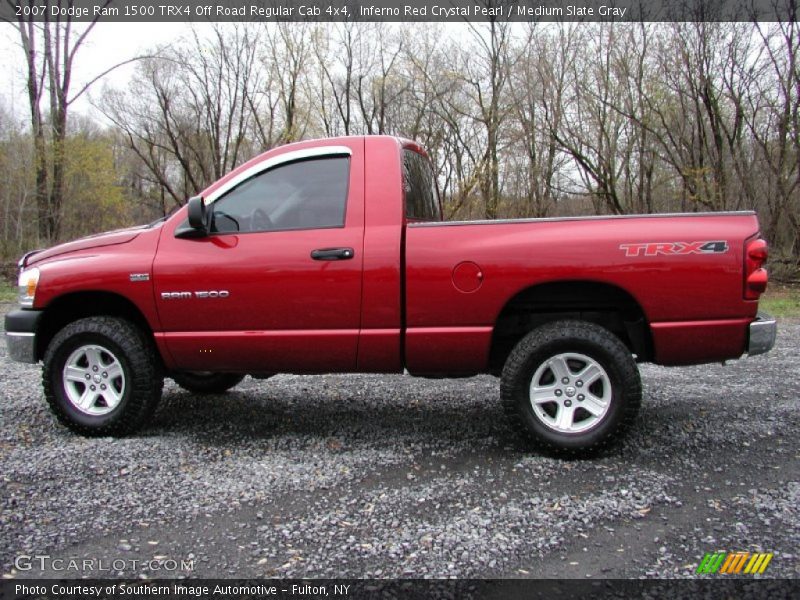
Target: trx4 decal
[{"x": 655, "y": 248}]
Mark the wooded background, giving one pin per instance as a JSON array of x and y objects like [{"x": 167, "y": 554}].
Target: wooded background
[{"x": 522, "y": 120}]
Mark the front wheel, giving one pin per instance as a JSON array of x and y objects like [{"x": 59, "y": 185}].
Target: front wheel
[
  {"x": 201, "y": 382},
  {"x": 571, "y": 387},
  {"x": 101, "y": 376}
]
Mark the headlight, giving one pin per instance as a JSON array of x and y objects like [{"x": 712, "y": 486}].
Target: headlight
[{"x": 28, "y": 281}]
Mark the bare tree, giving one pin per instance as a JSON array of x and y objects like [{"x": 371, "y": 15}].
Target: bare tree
[
  {"x": 537, "y": 88},
  {"x": 288, "y": 55},
  {"x": 17, "y": 194},
  {"x": 189, "y": 115},
  {"x": 774, "y": 123},
  {"x": 378, "y": 83},
  {"x": 50, "y": 49},
  {"x": 485, "y": 68},
  {"x": 336, "y": 58}
]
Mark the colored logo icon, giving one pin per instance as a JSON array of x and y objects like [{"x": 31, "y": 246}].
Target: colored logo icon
[{"x": 734, "y": 563}]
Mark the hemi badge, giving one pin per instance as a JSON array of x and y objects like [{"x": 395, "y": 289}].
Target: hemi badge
[{"x": 140, "y": 276}]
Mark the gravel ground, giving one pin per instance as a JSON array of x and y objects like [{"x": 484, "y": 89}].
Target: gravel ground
[{"x": 390, "y": 476}]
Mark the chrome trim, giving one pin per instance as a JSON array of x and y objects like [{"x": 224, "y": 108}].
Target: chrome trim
[
  {"x": 286, "y": 157},
  {"x": 762, "y": 335},
  {"x": 735, "y": 213},
  {"x": 23, "y": 262},
  {"x": 21, "y": 346}
]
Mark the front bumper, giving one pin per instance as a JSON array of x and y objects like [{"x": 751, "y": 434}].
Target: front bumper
[
  {"x": 762, "y": 335},
  {"x": 20, "y": 328}
]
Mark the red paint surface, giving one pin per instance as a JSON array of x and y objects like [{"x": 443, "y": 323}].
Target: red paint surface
[{"x": 403, "y": 301}]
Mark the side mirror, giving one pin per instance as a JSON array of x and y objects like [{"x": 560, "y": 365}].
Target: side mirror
[
  {"x": 199, "y": 219},
  {"x": 198, "y": 216}
]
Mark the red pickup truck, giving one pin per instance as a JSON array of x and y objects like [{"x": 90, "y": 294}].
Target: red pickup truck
[{"x": 332, "y": 256}]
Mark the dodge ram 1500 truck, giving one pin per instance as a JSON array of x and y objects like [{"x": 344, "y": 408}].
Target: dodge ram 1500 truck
[{"x": 332, "y": 256}]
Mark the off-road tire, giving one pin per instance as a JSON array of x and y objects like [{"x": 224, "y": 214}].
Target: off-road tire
[
  {"x": 140, "y": 364},
  {"x": 206, "y": 383},
  {"x": 570, "y": 338}
]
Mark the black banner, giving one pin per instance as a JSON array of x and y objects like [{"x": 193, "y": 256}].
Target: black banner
[
  {"x": 399, "y": 10},
  {"x": 356, "y": 589}
]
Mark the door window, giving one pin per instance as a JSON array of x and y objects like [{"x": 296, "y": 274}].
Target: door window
[
  {"x": 420, "y": 188},
  {"x": 308, "y": 194}
]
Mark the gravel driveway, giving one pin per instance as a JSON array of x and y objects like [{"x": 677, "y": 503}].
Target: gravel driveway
[{"x": 390, "y": 476}]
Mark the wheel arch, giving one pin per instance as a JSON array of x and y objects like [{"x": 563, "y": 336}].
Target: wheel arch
[
  {"x": 605, "y": 304},
  {"x": 68, "y": 308}
]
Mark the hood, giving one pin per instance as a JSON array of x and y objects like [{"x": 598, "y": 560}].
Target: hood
[{"x": 110, "y": 238}]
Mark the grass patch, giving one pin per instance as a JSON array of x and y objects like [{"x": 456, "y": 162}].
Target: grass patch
[
  {"x": 8, "y": 292},
  {"x": 781, "y": 301}
]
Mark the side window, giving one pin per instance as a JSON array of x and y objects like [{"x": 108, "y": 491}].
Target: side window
[
  {"x": 308, "y": 194},
  {"x": 419, "y": 187}
]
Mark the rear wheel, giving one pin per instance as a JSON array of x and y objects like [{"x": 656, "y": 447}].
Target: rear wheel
[
  {"x": 203, "y": 382},
  {"x": 101, "y": 376},
  {"x": 571, "y": 387}
]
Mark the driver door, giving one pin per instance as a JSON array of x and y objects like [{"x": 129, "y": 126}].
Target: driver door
[{"x": 276, "y": 286}]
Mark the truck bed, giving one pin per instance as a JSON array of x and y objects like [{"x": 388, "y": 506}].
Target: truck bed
[{"x": 692, "y": 299}]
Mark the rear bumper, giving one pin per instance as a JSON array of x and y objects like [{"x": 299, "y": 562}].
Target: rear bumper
[
  {"x": 20, "y": 328},
  {"x": 762, "y": 335}
]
